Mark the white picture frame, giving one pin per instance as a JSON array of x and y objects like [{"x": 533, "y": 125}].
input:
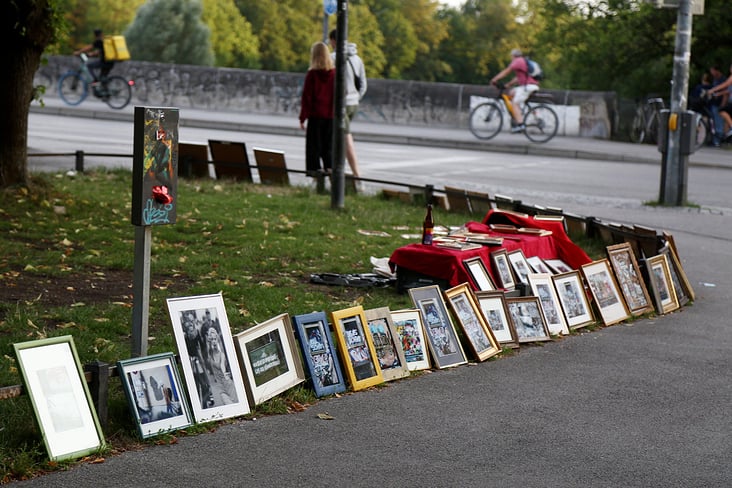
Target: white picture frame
[{"x": 542, "y": 287}]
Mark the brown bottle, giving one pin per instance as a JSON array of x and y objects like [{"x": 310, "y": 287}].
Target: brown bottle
[{"x": 427, "y": 227}]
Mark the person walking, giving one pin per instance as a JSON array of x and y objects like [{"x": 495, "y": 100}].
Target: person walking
[
  {"x": 525, "y": 86},
  {"x": 355, "y": 91},
  {"x": 316, "y": 107}
]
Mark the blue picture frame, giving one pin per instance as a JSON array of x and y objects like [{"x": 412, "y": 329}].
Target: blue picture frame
[{"x": 319, "y": 353}]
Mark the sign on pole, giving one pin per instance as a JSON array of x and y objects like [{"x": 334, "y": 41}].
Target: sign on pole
[
  {"x": 330, "y": 6},
  {"x": 697, "y": 6}
]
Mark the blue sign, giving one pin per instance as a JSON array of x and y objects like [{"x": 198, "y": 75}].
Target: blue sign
[{"x": 330, "y": 6}]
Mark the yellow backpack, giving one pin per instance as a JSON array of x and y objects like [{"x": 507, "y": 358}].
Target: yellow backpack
[{"x": 115, "y": 48}]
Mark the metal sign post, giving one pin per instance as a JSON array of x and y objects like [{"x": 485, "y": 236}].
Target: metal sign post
[{"x": 338, "y": 181}]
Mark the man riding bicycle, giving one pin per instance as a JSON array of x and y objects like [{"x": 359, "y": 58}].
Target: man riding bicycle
[
  {"x": 526, "y": 86},
  {"x": 96, "y": 50}
]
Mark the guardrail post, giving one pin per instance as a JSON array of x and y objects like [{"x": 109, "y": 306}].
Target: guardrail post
[
  {"x": 99, "y": 389},
  {"x": 79, "y": 161}
]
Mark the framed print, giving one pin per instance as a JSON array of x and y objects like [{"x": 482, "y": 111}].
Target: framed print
[
  {"x": 444, "y": 344},
  {"x": 572, "y": 296},
  {"x": 675, "y": 262},
  {"x": 60, "y": 396},
  {"x": 678, "y": 276},
  {"x": 660, "y": 280},
  {"x": 622, "y": 259},
  {"x": 528, "y": 319},
  {"x": 538, "y": 265},
  {"x": 409, "y": 328},
  {"x": 558, "y": 266},
  {"x": 479, "y": 274},
  {"x": 520, "y": 265},
  {"x": 357, "y": 349},
  {"x": 153, "y": 389},
  {"x": 542, "y": 287},
  {"x": 319, "y": 352},
  {"x": 389, "y": 350},
  {"x": 605, "y": 292},
  {"x": 268, "y": 358},
  {"x": 208, "y": 357},
  {"x": 471, "y": 320},
  {"x": 495, "y": 311},
  {"x": 503, "y": 269}
]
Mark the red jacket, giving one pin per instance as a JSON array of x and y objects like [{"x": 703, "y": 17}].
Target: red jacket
[{"x": 318, "y": 95}]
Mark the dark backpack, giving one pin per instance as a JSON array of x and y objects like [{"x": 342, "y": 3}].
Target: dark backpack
[{"x": 533, "y": 69}]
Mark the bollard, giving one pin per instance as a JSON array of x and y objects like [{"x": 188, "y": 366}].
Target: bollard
[
  {"x": 99, "y": 389},
  {"x": 79, "y": 161}
]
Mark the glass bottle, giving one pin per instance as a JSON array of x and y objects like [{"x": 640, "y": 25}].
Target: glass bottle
[{"x": 428, "y": 227}]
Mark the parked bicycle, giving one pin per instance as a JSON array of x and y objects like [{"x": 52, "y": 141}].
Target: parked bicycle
[
  {"x": 74, "y": 86},
  {"x": 647, "y": 120},
  {"x": 486, "y": 119}
]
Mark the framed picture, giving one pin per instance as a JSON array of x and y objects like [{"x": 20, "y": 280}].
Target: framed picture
[
  {"x": 479, "y": 274},
  {"x": 495, "y": 311},
  {"x": 675, "y": 262},
  {"x": 661, "y": 283},
  {"x": 389, "y": 350},
  {"x": 319, "y": 352},
  {"x": 558, "y": 266},
  {"x": 538, "y": 265},
  {"x": 528, "y": 319},
  {"x": 357, "y": 349},
  {"x": 471, "y": 320},
  {"x": 60, "y": 397},
  {"x": 572, "y": 296},
  {"x": 409, "y": 328},
  {"x": 443, "y": 341},
  {"x": 153, "y": 389},
  {"x": 520, "y": 266},
  {"x": 605, "y": 292},
  {"x": 503, "y": 269},
  {"x": 208, "y": 357},
  {"x": 542, "y": 287},
  {"x": 269, "y": 359},
  {"x": 622, "y": 259},
  {"x": 678, "y": 276}
]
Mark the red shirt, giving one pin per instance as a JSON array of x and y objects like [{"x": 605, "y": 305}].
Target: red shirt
[
  {"x": 318, "y": 95},
  {"x": 521, "y": 68}
]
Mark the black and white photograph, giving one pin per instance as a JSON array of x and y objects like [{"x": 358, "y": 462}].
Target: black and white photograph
[
  {"x": 520, "y": 266},
  {"x": 662, "y": 284},
  {"x": 495, "y": 310},
  {"x": 605, "y": 291},
  {"x": 503, "y": 269},
  {"x": 479, "y": 274},
  {"x": 542, "y": 287},
  {"x": 629, "y": 278},
  {"x": 528, "y": 319},
  {"x": 474, "y": 325},
  {"x": 571, "y": 293}
]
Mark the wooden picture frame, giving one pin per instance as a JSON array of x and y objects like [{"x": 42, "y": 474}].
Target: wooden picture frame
[
  {"x": 320, "y": 353},
  {"x": 542, "y": 287},
  {"x": 57, "y": 389},
  {"x": 675, "y": 262},
  {"x": 271, "y": 166},
  {"x": 681, "y": 283},
  {"x": 357, "y": 348},
  {"x": 575, "y": 305},
  {"x": 627, "y": 272},
  {"x": 478, "y": 272},
  {"x": 470, "y": 317},
  {"x": 269, "y": 359},
  {"x": 539, "y": 266},
  {"x": 605, "y": 292},
  {"x": 208, "y": 357},
  {"x": 528, "y": 319},
  {"x": 495, "y": 311},
  {"x": 392, "y": 361},
  {"x": 445, "y": 346},
  {"x": 502, "y": 267},
  {"x": 520, "y": 266},
  {"x": 230, "y": 160},
  {"x": 157, "y": 399},
  {"x": 661, "y": 283},
  {"x": 410, "y": 329},
  {"x": 558, "y": 265}
]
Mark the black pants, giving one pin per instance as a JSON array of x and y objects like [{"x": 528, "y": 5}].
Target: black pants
[{"x": 319, "y": 144}]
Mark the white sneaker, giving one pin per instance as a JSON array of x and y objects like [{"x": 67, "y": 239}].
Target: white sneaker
[{"x": 518, "y": 128}]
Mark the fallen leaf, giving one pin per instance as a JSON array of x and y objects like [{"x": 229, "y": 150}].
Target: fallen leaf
[{"x": 325, "y": 416}]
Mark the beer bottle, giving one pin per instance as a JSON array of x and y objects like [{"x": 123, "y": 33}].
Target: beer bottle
[{"x": 427, "y": 227}]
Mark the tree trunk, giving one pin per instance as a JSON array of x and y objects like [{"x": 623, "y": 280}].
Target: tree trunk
[{"x": 31, "y": 29}]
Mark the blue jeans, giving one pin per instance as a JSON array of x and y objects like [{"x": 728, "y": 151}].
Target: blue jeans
[{"x": 718, "y": 129}]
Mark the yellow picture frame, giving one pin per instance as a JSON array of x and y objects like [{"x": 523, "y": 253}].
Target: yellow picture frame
[{"x": 356, "y": 348}]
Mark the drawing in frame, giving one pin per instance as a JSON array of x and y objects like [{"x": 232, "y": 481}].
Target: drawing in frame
[
  {"x": 520, "y": 266},
  {"x": 575, "y": 305},
  {"x": 676, "y": 263},
  {"x": 444, "y": 344},
  {"x": 605, "y": 292},
  {"x": 208, "y": 358},
  {"x": 409, "y": 328},
  {"x": 472, "y": 321},
  {"x": 622, "y": 259},
  {"x": 558, "y": 265},
  {"x": 503, "y": 269},
  {"x": 495, "y": 311},
  {"x": 542, "y": 287},
  {"x": 154, "y": 392},
  {"x": 269, "y": 359},
  {"x": 479, "y": 274},
  {"x": 678, "y": 277},
  {"x": 538, "y": 265},
  {"x": 60, "y": 397},
  {"x": 357, "y": 349},
  {"x": 319, "y": 352},
  {"x": 528, "y": 319},
  {"x": 392, "y": 361},
  {"x": 659, "y": 278}
]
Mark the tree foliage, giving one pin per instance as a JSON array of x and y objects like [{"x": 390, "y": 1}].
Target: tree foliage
[{"x": 232, "y": 39}]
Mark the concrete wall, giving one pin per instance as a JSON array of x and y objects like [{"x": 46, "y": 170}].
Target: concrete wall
[{"x": 586, "y": 114}]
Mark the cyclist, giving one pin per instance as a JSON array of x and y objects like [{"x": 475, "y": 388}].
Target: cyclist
[
  {"x": 526, "y": 85},
  {"x": 96, "y": 50}
]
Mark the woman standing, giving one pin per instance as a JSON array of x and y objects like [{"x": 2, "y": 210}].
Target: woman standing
[{"x": 316, "y": 106}]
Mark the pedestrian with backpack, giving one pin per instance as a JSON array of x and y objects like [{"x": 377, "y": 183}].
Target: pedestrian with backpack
[{"x": 525, "y": 85}]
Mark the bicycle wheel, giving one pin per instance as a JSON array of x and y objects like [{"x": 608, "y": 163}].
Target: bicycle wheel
[
  {"x": 118, "y": 92},
  {"x": 638, "y": 128},
  {"x": 72, "y": 89},
  {"x": 541, "y": 122},
  {"x": 486, "y": 120},
  {"x": 654, "y": 125},
  {"x": 703, "y": 134}
]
